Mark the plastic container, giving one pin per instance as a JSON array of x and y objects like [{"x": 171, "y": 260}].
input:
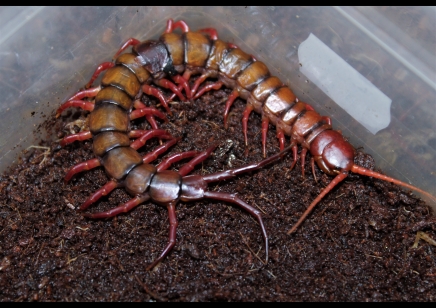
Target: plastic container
[{"x": 47, "y": 53}]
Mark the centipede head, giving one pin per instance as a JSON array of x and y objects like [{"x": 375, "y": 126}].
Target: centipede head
[
  {"x": 154, "y": 56},
  {"x": 335, "y": 155},
  {"x": 332, "y": 152}
]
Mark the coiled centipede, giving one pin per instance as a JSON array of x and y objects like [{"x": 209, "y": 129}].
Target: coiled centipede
[
  {"x": 109, "y": 127},
  {"x": 180, "y": 56}
]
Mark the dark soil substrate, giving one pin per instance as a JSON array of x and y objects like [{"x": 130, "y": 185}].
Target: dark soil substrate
[{"x": 355, "y": 246}]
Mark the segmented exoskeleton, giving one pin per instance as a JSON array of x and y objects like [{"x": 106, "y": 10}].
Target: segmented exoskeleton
[
  {"x": 202, "y": 53},
  {"x": 175, "y": 58},
  {"x": 109, "y": 127}
]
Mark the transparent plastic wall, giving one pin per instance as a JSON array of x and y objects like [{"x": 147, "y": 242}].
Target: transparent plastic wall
[{"x": 47, "y": 53}]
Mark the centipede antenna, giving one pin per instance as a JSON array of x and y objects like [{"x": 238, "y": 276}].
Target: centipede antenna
[
  {"x": 339, "y": 178},
  {"x": 364, "y": 171}
]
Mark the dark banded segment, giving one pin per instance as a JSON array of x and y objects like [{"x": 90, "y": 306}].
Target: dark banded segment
[
  {"x": 175, "y": 46},
  {"x": 122, "y": 78},
  {"x": 305, "y": 123},
  {"x": 197, "y": 49},
  {"x": 130, "y": 61},
  {"x": 234, "y": 62},
  {"x": 266, "y": 87},
  {"x": 218, "y": 50},
  {"x": 253, "y": 75},
  {"x": 279, "y": 101},
  {"x": 291, "y": 115},
  {"x": 138, "y": 180},
  {"x": 166, "y": 187},
  {"x": 115, "y": 96},
  {"x": 119, "y": 161},
  {"x": 108, "y": 117},
  {"x": 106, "y": 141},
  {"x": 316, "y": 130}
]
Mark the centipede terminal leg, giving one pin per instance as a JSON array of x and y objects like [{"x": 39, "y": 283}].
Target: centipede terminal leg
[
  {"x": 172, "y": 235},
  {"x": 232, "y": 198}
]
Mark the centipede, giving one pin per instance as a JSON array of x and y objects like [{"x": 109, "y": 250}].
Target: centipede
[
  {"x": 116, "y": 102},
  {"x": 169, "y": 63}
]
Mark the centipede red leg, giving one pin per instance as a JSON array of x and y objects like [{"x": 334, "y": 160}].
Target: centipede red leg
[
  {"x": 281, "y": 137},
  {"x": 232, "y": 198},
  {"x": 91, "y": 92},
  {"x": 101, "y": 68},
  {"x": 150, "y": 118},
  {"x": 186, "y": 76},
  {"x": 303, "y": 160},
  {"x": 199, "y": 81},
  {"x": 76, "y": 137},
  {"x": 184, "y": 84},
  {"x": 171, "y": 26},
  {"x": 167, "y": 162},
  {"x": 75, "y": 103},
  {"x": 294, "y": 154},
  {"x": 234, "y": 95},
  {"x": 103, "y": 191},
  {"x": 213, "y": 86},
  {"x": 124, "y": 208},
  {"x": 159, "y": 150},
  {"x": 144, "y": 135},
  {"x": 188, "y": 167},
  {"x": 138, "y": 113},
  {"x": 265, "y": 123},
  {"x": 158, "y": 94},
  {"x": 152, "y": 121},
  {"x": 213, "y": 34},
  {"x": 165, "y": 83},
  {"x": 231, "y": 173},
  {"x": 172, "y": 235},
  {"x": 86, "y": 165},
  {"x": 245, "y": 116},
  {"x": 340, "y": 177},
  {"x": 312, "y": 163},
  {"x": 130, "y": 42}
]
